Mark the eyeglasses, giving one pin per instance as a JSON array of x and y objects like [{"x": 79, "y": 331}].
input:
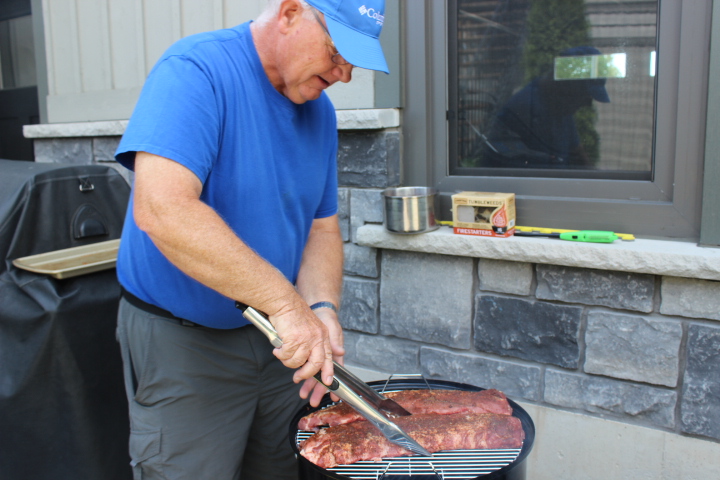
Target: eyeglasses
[{"x": 336, "y": 58}]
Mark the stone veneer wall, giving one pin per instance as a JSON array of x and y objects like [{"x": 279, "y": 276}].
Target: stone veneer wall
[
  {"x": 80, "y": 151},
  {"x": 638, "y": 348},
  {"x": 633, "y": 347}
]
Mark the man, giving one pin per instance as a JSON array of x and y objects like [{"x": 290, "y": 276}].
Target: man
[
  {"x": 233, "y": 143},
  {"x": 536, "y": 128}
]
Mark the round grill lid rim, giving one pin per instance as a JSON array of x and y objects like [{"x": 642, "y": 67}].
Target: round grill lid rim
[{"x": 406, "y": 384}]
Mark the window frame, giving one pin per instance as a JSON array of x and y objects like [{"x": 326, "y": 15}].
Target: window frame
[{"x": 668, "y": 206}]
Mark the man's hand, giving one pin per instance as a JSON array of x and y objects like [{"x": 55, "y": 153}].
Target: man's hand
[
  {"x": 335, "y": 335},
  {"x": 306, "y": 343}
]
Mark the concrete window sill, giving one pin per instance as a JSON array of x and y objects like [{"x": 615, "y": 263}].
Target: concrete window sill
[
  {"x": 361, "y": 119},
  {"x": 657, "y": 257}
]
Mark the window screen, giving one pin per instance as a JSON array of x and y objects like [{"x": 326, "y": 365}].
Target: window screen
[{"x": 552, "y": 88}]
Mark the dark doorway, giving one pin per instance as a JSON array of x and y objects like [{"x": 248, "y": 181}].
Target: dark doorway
[{"x": 18, "y": 80}]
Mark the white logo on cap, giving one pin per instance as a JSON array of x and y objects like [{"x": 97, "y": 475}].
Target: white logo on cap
[{"x": 370, "y": 12}]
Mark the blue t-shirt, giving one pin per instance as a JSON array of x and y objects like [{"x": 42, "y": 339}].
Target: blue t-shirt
[{"x": 267, "y": 165}]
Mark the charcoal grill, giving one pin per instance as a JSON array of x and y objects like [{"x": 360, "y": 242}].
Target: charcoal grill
[{"x": 504, "y": 464}]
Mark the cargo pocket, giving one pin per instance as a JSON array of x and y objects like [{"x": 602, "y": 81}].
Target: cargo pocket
[{"x": 144, "y": 448}]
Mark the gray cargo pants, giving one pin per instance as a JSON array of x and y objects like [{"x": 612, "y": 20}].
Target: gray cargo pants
[{"x": 205, "y": 404}]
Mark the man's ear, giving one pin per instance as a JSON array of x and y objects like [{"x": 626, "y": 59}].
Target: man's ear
[{"x": 289, "y": 14}]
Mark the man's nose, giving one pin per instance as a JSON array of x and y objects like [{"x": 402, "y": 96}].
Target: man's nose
[{"x": 343, "y": 72}]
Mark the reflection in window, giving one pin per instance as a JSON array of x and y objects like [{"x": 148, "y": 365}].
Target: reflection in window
[
  {"x": 553, "y": 88},
  {"x": 652, "y": 63},
  {"x": 585, "y": 67},
  {"x": 17, "y": 53}
]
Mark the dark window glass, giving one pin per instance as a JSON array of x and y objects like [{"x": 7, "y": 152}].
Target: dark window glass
[
  {"x": 17, "y": 53},
  {"x": 552, "y": 88}
]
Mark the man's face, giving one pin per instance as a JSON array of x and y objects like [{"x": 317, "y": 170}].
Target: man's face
[{"x": 309, "y": 66}]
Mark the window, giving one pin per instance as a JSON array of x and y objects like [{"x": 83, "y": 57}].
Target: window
[
  {"x": 613, "y": 137},
  {"x": 552, "y": 88},
  {"x": 17, "y": 54},
  {"x": 19, "y": 104}
]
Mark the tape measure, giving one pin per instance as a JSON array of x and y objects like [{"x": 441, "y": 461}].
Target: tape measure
[
  {"x": 592, "y": 236},
  {"x": 622, "y": 236}
]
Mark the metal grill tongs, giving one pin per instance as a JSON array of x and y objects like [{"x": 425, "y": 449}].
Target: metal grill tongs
[{"x": 358, "y": 394}]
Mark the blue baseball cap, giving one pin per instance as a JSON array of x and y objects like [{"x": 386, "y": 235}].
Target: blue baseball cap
[{"x": 355, "y": 26}]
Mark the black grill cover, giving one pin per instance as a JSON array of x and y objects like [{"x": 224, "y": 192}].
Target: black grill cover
[{"x": 63, "y": 411}]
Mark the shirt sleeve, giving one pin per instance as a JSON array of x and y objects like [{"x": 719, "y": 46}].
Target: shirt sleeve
[
  {"x": 176, "y": 117},
  {"x": 329, "y": 203}
]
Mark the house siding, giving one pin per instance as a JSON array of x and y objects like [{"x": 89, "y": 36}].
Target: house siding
[{"x": 98, "y": 54}]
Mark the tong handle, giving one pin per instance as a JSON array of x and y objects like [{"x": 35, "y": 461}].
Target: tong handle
[
  {"x": 341, "y": 373},
  {"x": 261, "y": 322},
  {"x": 264, "y": 325},
  {"x": 352, "y": 381},
  {"x": 346, "y": 391}
]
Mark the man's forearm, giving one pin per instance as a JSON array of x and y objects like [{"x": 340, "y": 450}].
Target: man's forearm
[
  {"x": 320, "y": 276},
  {"x": 320, "y": 280},
  {"x": 196, "y": 240}
]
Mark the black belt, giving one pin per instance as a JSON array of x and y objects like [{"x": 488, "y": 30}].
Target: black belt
[{"x": 155, "y": 310}]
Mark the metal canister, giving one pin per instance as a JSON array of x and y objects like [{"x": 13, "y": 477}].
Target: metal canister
[{"x": 410, "y": 210}]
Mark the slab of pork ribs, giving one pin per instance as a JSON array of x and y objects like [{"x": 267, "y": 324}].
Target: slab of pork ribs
[
  {"x": 416, "y": 402},
  {"x": 353, "y": 442}
]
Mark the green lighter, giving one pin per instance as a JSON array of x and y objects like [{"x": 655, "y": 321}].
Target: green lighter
[{"x": 592, "y": 236}]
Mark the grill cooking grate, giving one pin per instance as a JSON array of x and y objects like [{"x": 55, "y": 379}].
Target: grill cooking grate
[
  {"x": 446, "y": 465},
  {"x": 453, "y": 464}
]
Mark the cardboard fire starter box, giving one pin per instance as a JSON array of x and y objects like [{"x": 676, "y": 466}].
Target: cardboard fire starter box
[{"x": 484, "y": 213}]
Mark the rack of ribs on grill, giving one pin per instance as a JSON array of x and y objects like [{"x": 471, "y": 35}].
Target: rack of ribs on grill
[
  {"x": 416, "y": 402},
  {"x": 353, "y": 442}
]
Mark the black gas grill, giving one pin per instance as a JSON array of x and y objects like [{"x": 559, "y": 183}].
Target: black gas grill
[{"x": 63, "y": 411}]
